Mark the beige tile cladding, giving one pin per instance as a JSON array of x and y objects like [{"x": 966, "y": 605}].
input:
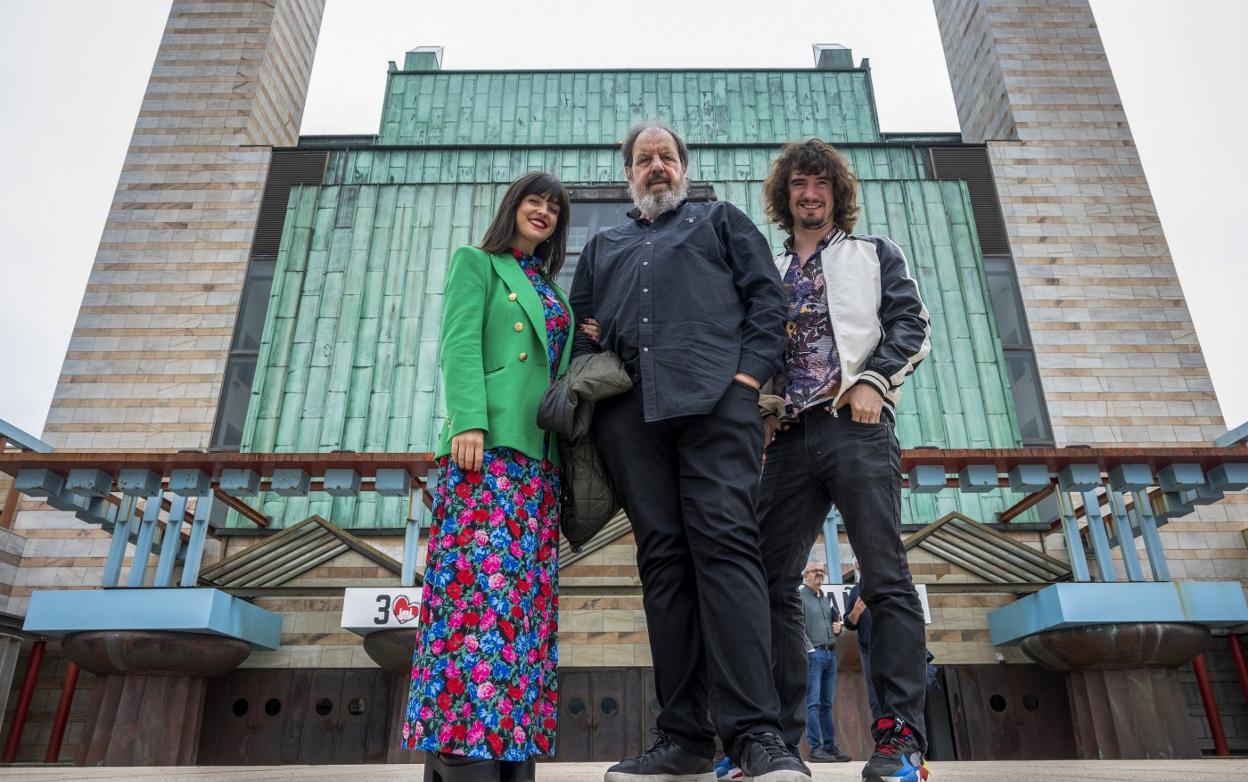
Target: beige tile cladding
[
  {"x": 148, "y": 351},
  {"x": 1118, "y": 354}
]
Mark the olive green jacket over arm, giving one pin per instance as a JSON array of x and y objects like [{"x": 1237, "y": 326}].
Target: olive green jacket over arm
[{"x": 494, "y": 361}]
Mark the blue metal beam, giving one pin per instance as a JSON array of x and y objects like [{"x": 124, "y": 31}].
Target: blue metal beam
[
  {"x": 210, "y": 611},
  {"x": 1156, "y": 552},
  {"x": 1126, "y": 538},
  {"x": 1074, "y": 544},
  {"x": 143, "y": 544},
  {"x": 1210, "y": 603}
]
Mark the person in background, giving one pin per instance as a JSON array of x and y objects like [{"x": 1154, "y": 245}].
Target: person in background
[
  {"x": 484, "y": 682},
  {"x": 822, "y": 626}
]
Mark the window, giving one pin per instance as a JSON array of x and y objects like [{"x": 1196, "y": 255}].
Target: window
[
  {"x": 240, "y": 370},
  {"x": 1020, "y": 356},
  {"x": 598, "y": 207},
  {"x": 588, "y": 218}
]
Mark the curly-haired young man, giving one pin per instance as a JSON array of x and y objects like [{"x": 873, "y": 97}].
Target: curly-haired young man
[{"x": 856, "y": 330}]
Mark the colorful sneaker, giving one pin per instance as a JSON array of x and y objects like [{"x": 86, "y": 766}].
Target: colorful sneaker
[
  {"x": 727, "y": 771},
  {"x": 898, "y": 756}
]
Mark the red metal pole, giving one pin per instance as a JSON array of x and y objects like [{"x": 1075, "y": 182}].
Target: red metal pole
[
  {"x": 1211, "y": 706},
  {"x": 23, "y": 702},
  {"x": 1238, "y": 653},
  {"x": 62, "y": 713}
]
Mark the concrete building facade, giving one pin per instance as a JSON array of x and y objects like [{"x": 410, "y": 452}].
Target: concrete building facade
[{"x": 260, "y": 292}]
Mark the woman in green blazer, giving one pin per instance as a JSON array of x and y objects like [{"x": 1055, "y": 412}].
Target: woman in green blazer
[{"x": 482, "y": 701}]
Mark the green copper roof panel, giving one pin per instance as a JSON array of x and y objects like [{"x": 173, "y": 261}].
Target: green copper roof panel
[
  {"x": 541, "y": 108},
  {"x": 447, "y": 166},
  {"x": 350, "y": 351}
]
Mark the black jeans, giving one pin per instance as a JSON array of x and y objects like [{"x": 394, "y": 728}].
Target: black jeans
[
  {"x": 819, "y": 461},
  {"x": 689, "y": 486}
]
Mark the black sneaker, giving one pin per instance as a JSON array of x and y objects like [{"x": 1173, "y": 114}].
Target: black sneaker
[
  {"x": 820, "y": 755},
  {"x": 665, "y": 761},
  {"x": 838, "y": 756},
  {"x": 898, "y": 755},
  {"x": 764, "y": 758}
]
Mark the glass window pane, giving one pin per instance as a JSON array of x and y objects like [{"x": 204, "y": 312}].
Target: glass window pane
[
  {"x": 1007, "y": 303},
  {"x": 232, "y": 408},
  {"x": 250, "y": 327},
  {"x": 1033, "y": 419}
]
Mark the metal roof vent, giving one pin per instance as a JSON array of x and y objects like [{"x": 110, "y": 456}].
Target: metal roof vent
[
  {"x": 423, "y": 58},
  {"x": 832, "y": 56}
]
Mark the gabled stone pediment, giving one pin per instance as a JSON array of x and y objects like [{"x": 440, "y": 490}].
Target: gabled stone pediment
[{"x": 312, "y": 553}]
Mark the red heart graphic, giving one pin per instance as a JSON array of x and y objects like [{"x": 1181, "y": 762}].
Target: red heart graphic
[{"x": 404, "y": 609}]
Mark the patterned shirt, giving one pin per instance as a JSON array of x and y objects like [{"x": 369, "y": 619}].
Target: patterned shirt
[
  {"x": 812, "y": 365},
  {"x": 558, "y": 319}
]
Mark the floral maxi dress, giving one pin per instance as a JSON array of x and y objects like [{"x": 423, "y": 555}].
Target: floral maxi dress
[{"x": 484, "y": 674}]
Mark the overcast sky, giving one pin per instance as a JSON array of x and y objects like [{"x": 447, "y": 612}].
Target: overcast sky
[{"x": 73, "y": 72}]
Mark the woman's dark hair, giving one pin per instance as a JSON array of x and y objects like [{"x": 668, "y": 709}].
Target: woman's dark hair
[
  {"x": 813, "y": 158},
  {"x": 498, "y": 236}
]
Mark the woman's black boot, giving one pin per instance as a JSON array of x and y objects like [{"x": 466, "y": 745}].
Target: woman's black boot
[
  {"x": 440, "y": 767},
  {"x": 512, "y": 771}
]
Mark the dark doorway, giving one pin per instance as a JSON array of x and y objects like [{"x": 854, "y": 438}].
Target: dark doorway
[
  {"x": 1009, "y": 712},
  {"x": 604, "y": 713},
  {"x": 264, "y": 717}
]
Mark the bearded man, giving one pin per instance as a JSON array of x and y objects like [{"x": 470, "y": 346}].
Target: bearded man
[{"x": 687, "y": 296}]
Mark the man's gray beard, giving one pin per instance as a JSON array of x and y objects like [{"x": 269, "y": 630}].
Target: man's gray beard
[{"x": 652, "y": 205}]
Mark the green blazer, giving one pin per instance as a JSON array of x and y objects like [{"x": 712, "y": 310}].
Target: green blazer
[{"x": 494, "y": 361}]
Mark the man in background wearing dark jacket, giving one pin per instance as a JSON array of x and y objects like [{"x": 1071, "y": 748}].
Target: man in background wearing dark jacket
[{"x": 857, "y": 328}]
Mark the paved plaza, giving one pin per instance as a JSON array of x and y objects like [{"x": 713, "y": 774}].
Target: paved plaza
[{"x": 1038, "y": 771}]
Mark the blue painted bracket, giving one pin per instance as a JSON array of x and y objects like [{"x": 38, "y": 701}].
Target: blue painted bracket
[
  {"x": 1210, "y": 603},
  {"x": 927, "y": 478},
  {"x": 240, "y": 483},
  {"x": 209, "y": 611},
  {"x": 341, "y": 483},
  {"x": 290, "y": 482},
  {"x": 1028, "y": 478},
  {"x": 977, "y": 478}
]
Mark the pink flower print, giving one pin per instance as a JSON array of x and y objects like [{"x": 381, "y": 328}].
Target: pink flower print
[
  {"x": 444, "y": 733},
  {"x": 517, "y": 736},
  {"x": 514, "y": 549},
  {"x": 457, "y": 619},
  {"x": 487, "y": 497},
  {"x": 488, "y": 619},
  {"x": 476, "y": 733},
  {"x": 407, "y": 731},
  {"x": 480, "y": 672},
  {"x": 465, "y": 517},
  {"x": 503, "y": 483},
  {"x": 426, "y": 713},
  {"x": 498, "y": 467},
  {"x": 485, "y": 690},
  {"x": 509, "y": 653},
  {"x": 452, "y": 670},
  {"x": 437, "y": 646},
  {"x": 471, "y": 643},
  {"x": 496, "y": 517},
  {"x": 481, "y": 537},
  {"x": 491, "y": 564},
  {"x": 477, "y": 599},
  {"x": 448, "y": 540},
  {"x": 505, "y": 706},
  {"x": 498, "y": 581}
]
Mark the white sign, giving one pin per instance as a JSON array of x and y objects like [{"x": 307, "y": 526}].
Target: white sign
[
  {"x": 840, "y": 594},
  {"x": 369, "y": 609}
]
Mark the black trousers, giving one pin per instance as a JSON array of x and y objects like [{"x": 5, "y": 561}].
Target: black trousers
[
  {"x": 819, "y": 461},
  {"x": 689, "y": 486}
]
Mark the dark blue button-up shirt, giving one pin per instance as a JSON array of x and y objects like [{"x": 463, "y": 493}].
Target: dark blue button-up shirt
[{"x": 686, "y": 302}]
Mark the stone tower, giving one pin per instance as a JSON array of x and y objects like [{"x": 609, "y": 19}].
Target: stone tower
[
  {"x": 145, "y": 362},
  {"x": 1116, "y": 348}
]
